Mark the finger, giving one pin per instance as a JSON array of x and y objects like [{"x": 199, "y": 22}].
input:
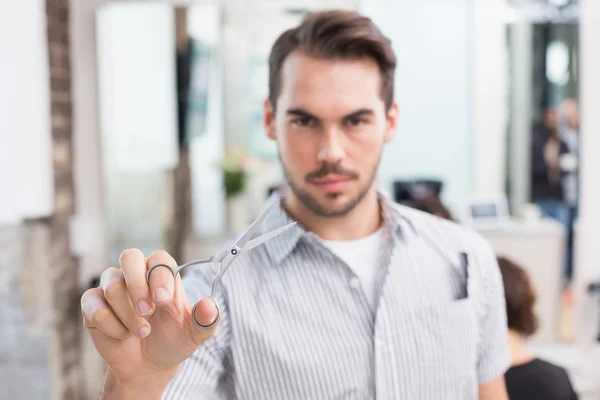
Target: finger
[
  {"x": 116, "y": 295},
  {"x": 162, "y": 281},
  {"x": 204, "y": 320},
  {"x": 98, "y": 315},
  {"x": 133, "y": 266}
]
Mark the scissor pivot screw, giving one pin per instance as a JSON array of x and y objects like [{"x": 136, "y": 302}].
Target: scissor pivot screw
[{"x": 234, "y": 252}]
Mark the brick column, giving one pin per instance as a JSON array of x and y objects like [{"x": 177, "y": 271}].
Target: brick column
[
  {"x": 66, "y": 322},
  {"x": 179, "y": 206}
]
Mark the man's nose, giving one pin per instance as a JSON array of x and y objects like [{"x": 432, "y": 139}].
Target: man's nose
[{"x": 332, "y": 147}]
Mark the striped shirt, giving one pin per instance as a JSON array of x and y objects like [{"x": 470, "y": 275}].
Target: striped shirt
[{"x": 293, "y": 327}]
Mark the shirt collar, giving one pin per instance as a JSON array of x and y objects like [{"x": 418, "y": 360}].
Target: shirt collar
[{"x": 284, "y": 244}]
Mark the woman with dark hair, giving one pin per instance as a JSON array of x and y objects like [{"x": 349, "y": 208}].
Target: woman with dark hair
[{"x": 529, "y": 378}]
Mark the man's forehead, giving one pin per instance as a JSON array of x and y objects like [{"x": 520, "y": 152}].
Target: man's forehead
[
  {"x": 345, "y": 85},
  {"x": 301, "y": 67}
]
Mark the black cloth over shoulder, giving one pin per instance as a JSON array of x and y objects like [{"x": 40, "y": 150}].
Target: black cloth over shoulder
[{"x": 539, "y": 380}]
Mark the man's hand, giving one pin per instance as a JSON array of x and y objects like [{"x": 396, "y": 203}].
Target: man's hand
[{"x": 143, "y": 331}]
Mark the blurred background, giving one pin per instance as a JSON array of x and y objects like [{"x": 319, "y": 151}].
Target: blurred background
[{"x": 138, "y": 124}]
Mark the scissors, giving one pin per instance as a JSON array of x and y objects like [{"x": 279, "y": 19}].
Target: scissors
[{"x": 226, "y": 258}]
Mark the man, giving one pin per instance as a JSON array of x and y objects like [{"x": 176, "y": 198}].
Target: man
[
  {"x": 569, "y": 133},
  {"x": 547, "y": 149},
  {"x": 362, "y": 299}
]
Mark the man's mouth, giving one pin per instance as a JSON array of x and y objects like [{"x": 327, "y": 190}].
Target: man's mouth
[{"x": 332, "y": 183}]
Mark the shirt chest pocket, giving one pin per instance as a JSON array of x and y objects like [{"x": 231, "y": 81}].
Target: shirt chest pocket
[{"x": 435, "y": 347}]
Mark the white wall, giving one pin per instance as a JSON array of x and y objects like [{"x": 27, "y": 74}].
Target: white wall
[
  {"x": 587, "y": 267},
  {"x": 433, "y": 90},
  {"x": 490, "y": 96},
  {"x": 136, "y": 72},
  {"x": 26, "y": 174}
]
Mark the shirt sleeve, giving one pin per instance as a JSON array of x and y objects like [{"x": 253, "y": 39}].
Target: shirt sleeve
[
  {"x": 494, "y": 357},
  {"x": 200, "y": 377}
]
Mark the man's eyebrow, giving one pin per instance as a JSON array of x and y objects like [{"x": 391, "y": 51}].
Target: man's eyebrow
[
  {"x": 360, "y": 113},
  {"x": 303, "y": 113}
]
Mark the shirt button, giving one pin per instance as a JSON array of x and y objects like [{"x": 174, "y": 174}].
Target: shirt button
[{"x": 354, "y": 283}]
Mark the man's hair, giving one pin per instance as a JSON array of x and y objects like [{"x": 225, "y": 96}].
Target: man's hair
[
  {"x": 335, "y": 35},
  {"x": 520, "y": 297}
]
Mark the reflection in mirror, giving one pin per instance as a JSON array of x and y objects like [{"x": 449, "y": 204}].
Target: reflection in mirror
[{"x": 543, "y": 131}]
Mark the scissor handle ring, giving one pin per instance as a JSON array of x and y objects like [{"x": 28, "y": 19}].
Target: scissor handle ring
[
  {"x": 205, "y": 326},
  {"x": 173, "y": 270}
]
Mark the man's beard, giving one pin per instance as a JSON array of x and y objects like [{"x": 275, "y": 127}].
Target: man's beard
[{"x": 328, "y": 168}]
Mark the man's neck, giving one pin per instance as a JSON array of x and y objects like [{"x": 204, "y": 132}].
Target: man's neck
[{"x": 360, "y": 222}]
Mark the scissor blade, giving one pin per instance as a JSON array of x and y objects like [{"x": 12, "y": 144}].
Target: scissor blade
[
  {"x": 245, "y": 237},
  {"x": 267, "y": 236}
]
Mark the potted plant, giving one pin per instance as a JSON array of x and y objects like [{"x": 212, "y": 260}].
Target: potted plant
[{"x": 236, "y": 166}]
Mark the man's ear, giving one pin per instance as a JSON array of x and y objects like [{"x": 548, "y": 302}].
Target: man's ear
[
  {"x": 269, "y": 119},
  {"x": 392, "y": 123}
]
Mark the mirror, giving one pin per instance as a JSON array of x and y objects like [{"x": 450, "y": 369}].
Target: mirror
[{"x": 542, "y": 135}]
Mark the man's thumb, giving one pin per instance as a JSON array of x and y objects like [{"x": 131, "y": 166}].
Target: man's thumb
[{"x": 205, "y": 314}]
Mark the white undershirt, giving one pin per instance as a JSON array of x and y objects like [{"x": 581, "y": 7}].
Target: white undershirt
[{"x": 362, "y": 256}]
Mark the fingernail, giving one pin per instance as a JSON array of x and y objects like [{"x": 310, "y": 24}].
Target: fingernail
[
  {"x": 111, "y": 277},
  {"x": 143, "y": 332},
  {"x": 91, "y": 305},
  {"x": 144, "y": 308},
  {"x": 161, "y": 294},
  {"x": 205, "y": 312}
]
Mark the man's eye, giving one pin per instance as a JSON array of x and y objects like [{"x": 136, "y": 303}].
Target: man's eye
[
  {"x": 303, "y": 121},
  {"x": 354, "y": 122}
]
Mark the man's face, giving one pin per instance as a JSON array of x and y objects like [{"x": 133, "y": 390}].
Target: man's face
[{"x": 330, "y": 124}]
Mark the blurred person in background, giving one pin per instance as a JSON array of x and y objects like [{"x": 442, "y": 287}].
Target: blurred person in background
[
  {"x": 362, "y": 299},
  {"x": 547, "y": 148},
  {"x": 569, "y": 133},
  {"x": 551, "y": 161},
  {"x": 529, "y": 377}
]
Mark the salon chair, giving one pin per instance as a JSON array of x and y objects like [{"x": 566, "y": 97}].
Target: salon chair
[{"x": 406, "y": 191}]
